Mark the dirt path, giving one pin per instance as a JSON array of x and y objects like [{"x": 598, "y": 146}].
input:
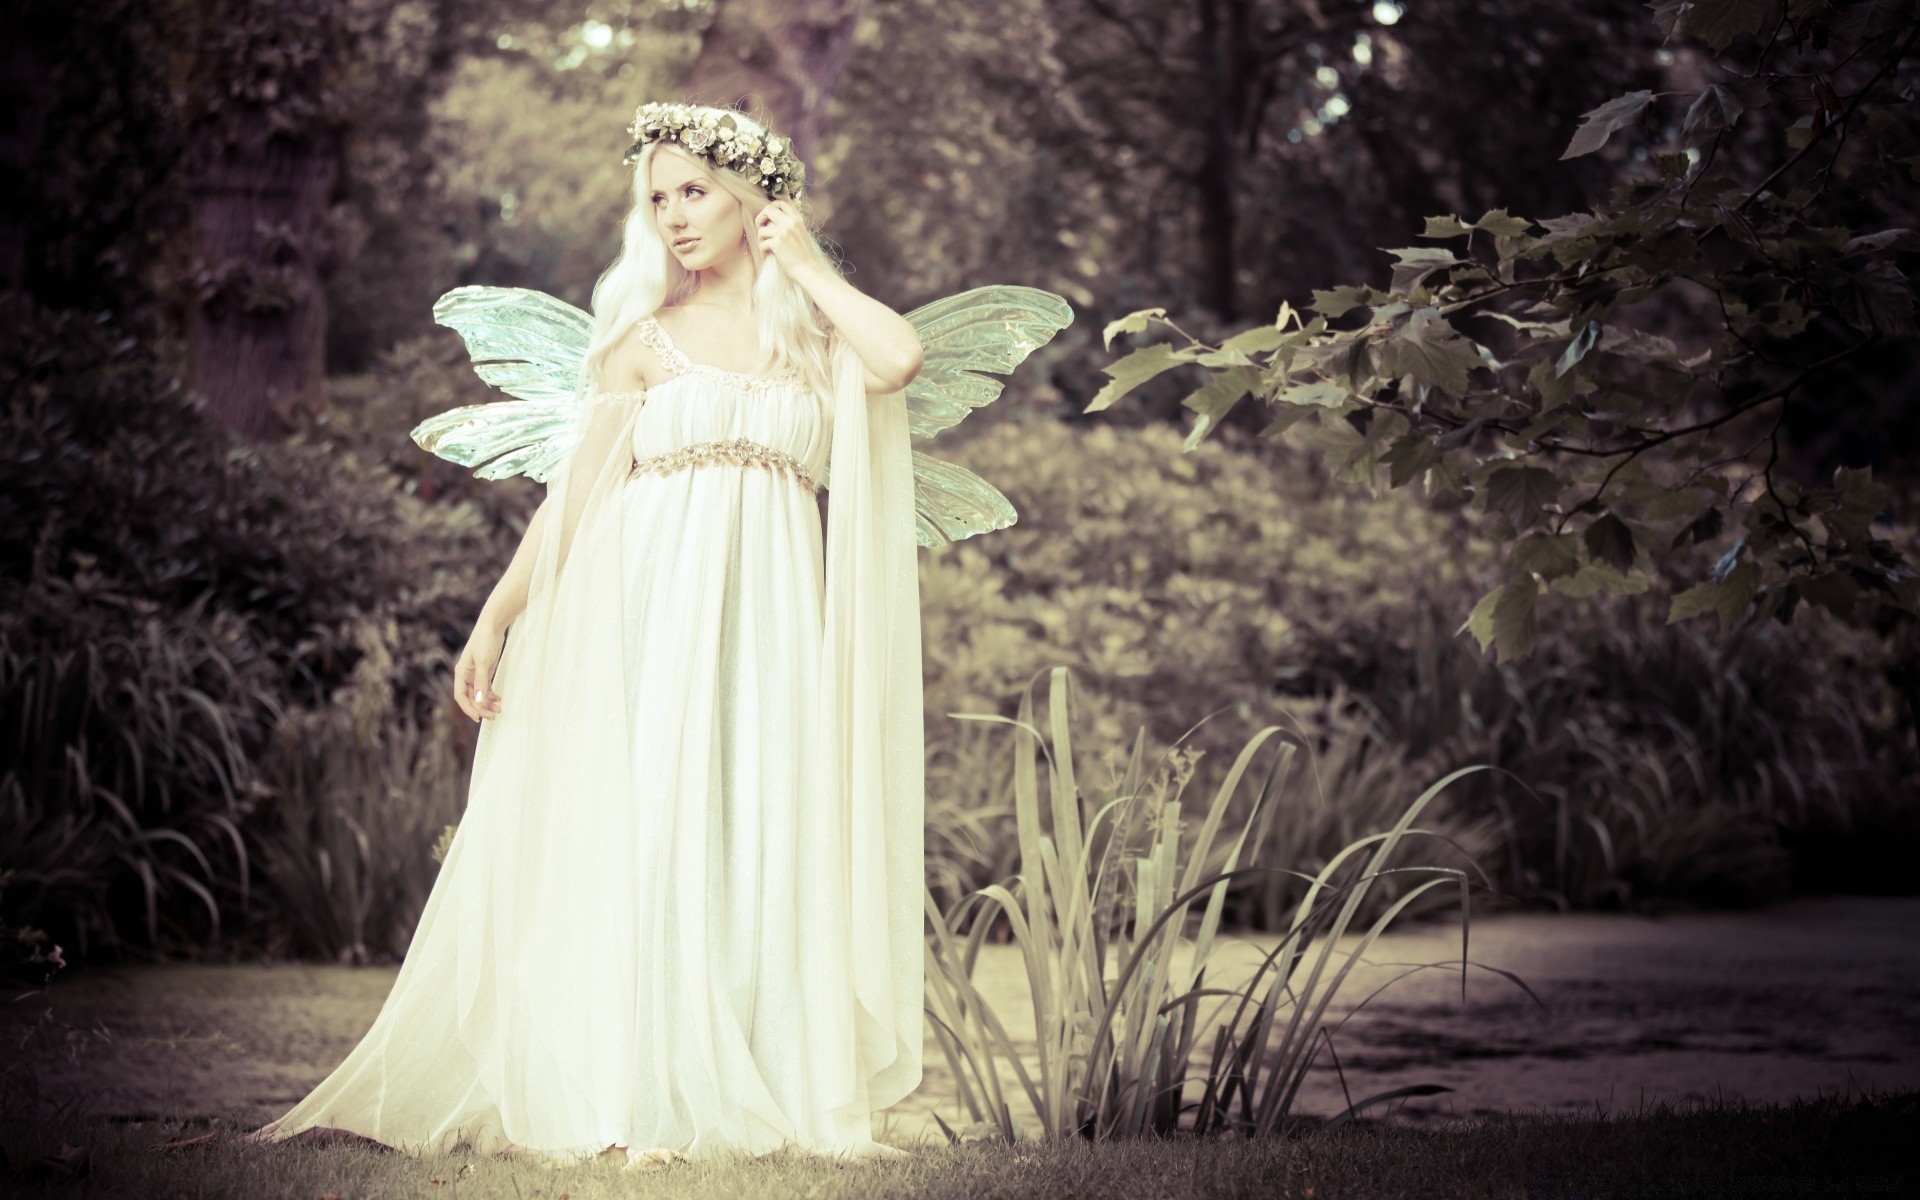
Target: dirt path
[{"x": 1806, "y": 997}]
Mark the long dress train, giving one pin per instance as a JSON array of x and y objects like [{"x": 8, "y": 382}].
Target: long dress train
[{"x": 682, "y": 908}]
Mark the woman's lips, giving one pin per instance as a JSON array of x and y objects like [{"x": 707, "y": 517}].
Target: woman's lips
[{"x": 684, "y": 244}]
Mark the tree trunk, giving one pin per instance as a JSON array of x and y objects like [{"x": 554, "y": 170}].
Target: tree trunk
[
  {"x": 785, "y": 54},
  {"x": 1223, "y": 46},
  {"x": 259, "y": 330},
  {"x": 25, "y": 96}
]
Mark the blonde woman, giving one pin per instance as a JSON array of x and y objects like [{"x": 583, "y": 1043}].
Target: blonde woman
[{"x": 681, "y": 916}]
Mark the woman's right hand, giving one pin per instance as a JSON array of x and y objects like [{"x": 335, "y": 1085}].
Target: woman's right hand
[{"x": 473, "y": 674}]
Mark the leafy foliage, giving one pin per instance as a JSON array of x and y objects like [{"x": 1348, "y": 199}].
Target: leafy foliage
[
  {"x": 1236, "y": 581},
  {"x": 224, "y": 637},
  {"x": 170, "y": 596},
  {"x": 1523, "y": 370},
  {"x": 1108, "y": 885}
]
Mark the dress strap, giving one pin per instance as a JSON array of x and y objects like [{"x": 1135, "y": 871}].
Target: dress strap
[
  {"x": 656, "y": 340},
  {"x": 654, "y": 336}
]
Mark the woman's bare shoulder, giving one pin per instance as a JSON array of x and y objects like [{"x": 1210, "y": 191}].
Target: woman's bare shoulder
[{"x": 631, "y": 363}]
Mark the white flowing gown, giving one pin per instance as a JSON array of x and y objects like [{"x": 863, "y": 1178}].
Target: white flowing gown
[{"x": 682, "y": 908}]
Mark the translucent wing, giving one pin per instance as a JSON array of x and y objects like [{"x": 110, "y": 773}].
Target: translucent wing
[
  {"x": 986, "y": 329},
  {"x": 951, "y": 502},
  {"x": 529, "y": 345}
]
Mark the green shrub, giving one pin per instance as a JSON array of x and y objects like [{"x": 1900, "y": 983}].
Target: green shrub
[
  {"x": 1652, "y": 761},
  {"x": 1115, "y": 905},
  {"x": 362, "y": 791},
  {"x": 170, "y": 595},
  {"x": 223, "y": 669}
]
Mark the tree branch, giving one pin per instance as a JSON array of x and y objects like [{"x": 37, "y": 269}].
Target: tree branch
[{"x": 1846, "y": 116}]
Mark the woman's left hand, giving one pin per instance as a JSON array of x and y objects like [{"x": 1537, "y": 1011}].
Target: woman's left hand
[{"x": 782, "y": 234}]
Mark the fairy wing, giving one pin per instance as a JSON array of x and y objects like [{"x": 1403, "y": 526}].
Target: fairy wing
[
  {"x": 987, "y": 329},
  {"x": 951, "y": 502},
  {"x": 531, "y": 346}
]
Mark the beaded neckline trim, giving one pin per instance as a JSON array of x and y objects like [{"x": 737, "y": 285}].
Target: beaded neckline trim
[{"x": 656, "y": 339}]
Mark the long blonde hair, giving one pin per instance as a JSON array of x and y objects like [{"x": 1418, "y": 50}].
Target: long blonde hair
[{"x": 645, "y": 276}]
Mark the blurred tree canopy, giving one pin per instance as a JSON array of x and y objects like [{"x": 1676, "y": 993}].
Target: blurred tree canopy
[
  {"x": 216, "y": 208},
  {"x": 1611, "y": 393},
  {"x": 1216, "y": 157},
  {"x": 262, "y": 189},
  {"x": 190, "y": 162}
]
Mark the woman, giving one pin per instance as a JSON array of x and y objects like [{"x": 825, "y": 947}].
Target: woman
[{"x": 681, "y": 916}]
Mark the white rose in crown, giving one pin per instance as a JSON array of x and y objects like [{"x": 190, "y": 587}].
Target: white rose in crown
[{"x": 762, "y": 157}]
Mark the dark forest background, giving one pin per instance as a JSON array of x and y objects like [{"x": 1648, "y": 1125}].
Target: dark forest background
[{"x": 231, "y": 588}]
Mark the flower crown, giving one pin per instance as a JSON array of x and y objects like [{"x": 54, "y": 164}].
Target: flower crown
[{"x": 714, "y": 135}]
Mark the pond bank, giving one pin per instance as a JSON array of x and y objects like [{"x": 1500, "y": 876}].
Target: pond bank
[{"x": 1809, "y": 997}]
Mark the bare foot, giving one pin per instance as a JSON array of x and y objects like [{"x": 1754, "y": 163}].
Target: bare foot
[{"x": 653, "y": 1159}]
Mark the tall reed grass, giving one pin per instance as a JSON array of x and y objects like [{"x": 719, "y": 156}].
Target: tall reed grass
[
  {"x": 122, "y": 758},
  {"x": 1352, "y": 779},
  {"x": 1664, "y": 762},
  {"x": 1107, "y": 885},
  {"x": 171, "y": 594},
  {"x": 363, "y": 791}
]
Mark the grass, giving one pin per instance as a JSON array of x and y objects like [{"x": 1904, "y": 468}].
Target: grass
[
  {"x": 1106, "y": 885},
  {"x": 1829, "y": 1145},
  {"x": 364, "y": 800},
  {"x": 123, "y": 761}
]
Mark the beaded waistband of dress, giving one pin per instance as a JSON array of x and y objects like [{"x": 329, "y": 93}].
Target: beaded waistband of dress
[{"x": 743, "y": 452}]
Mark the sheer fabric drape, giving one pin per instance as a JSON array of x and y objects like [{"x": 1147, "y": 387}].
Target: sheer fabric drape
[{"x": 472, "y": 1044}]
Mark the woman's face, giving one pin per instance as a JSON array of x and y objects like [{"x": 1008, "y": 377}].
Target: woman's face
[{"x": 699, "y": 222}]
